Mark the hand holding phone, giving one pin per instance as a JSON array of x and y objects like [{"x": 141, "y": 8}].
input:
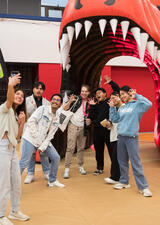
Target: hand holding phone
[{"x": 14, "y": 73}]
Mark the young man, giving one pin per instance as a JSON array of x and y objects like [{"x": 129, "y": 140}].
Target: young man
[
  {"x": 115, "y": 170},
  {"x": 41, "y": 127},
  {"x": 32, "y": 103},
  {"x": 128, "y": 118},
  {"x": 101, "y": 136},
  {"x": 77, "y": 132}
]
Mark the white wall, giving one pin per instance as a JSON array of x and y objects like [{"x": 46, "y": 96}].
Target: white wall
[
  {"x": 37, "y": 41},
  {"x": 29, "y": 41}
]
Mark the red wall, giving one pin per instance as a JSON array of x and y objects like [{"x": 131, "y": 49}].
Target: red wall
[
  {"x": 50, "y": 74},
  {"x": 136, "y": 77},
  {"x": 141, "y": 80}
]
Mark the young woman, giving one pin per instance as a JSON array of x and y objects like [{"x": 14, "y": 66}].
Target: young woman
[
  {"x": 12, "y": 119},
  {"x": 128, "y": 117}
]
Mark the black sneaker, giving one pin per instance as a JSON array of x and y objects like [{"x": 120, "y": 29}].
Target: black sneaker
[{"x": 97, "y": 172}]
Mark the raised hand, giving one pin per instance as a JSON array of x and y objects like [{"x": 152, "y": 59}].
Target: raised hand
[
  {"x": 72, "y": 98},
  {"x": 110, "y": 103},
  {"x": 132, "y": 93},
  {"x": 13, "y": 81},
  {"x": 21, "y": 118},
  {"x": 92, "y": 101},
  {"x": 107, "y": 79}
]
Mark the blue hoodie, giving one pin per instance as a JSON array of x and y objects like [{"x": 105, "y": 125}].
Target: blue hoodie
[{"x": 129, "y": 115}]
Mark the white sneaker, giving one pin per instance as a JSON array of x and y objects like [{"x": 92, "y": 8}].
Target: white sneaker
[
  {"x": 146, "y": 192},
  {"x": 120, "y": 186},
  {"x": 46, "y": 175},
  {"x": 18, "y": 216},
  {"x": 29, "y": 179},
  {"x": 56, "y": 183},
  {"x": 66, "y": 173},
  {"x": 82, "y": 170},
  {"x": 108, "y": 180},
  {"x": 5, "y": 221}
]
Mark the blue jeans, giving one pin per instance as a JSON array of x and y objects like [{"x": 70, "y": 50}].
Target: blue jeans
[
  {"x": 27, "y": 151},
  {"x": 10, "y": 178},
  {"x": 44, "y": 162},
  {"x": 128, "y": 149}
]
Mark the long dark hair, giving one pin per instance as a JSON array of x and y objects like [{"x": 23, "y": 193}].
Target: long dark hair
[{"x": 22, "y": 107}]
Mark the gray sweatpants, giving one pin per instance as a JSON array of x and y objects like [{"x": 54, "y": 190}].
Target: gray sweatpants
[
  {"x": 128, "y": 149},
  {"x": 10, "y": 178}
]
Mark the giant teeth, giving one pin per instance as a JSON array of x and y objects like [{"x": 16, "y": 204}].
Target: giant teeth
[
  {"x": 78, "y": 27},
  {"x": 87, "y": 25},
  {"x": 68, "y": 67},
  {"x": 64, "y": 49},
  {"x": 113, "y": 23},
  {"x": 158, "y": 56},
  {"x": 155, "y": 52},
  {"x": 144, "y": 39},
  {"x": 70, "y": 31},
  {"x": 102, "y": 25},
  {"x": 136, "y": 34},
  {"x": 150, "y": 48},
  {"x": 124, "y": 25},
  {"x": 64, "y": 41},
  {"x": 65, "y": 56}
]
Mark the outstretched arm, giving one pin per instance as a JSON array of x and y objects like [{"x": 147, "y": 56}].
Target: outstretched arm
[
  {"x": 13, "y": 81},
  {"x": 114, "y": 85}
]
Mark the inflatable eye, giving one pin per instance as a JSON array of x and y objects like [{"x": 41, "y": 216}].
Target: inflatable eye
[
  {"x": 158, "y": 7},
  {"x": 78, "y": 4},
  {"x": 110, "y": 2}
]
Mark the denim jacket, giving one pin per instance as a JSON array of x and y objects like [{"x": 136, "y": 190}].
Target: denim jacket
[{"x": 41, "y": 127}]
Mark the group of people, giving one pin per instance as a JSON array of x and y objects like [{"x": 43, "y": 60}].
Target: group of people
[{"x": 34, "y": 121}]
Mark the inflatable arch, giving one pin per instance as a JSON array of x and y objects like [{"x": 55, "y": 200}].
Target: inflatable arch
[{"x": 94, "y": 31}]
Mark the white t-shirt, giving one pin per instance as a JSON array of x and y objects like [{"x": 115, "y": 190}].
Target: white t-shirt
[
  {"x": 8, "y": 123},
  {"x": 78, "y": 117}
]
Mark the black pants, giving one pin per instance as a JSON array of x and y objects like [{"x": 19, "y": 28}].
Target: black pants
[
  {"x": 115, "y": 170},
  {"x": 100, "y": 138}
]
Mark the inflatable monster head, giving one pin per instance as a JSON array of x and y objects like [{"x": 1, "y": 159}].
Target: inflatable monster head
[{"x": 94, "y": 31}]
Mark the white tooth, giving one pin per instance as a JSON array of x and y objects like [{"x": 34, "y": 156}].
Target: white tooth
[
  {"x": 155, "y": 52},
  {"x": 70, "y": 31},
  {"x": 158, "y": 56},
  {"x": 65, "y": 55},
  {"x": 64, "y": 41},
  {"x": 68, "y": 67},
  {"x": 136, "y": 34},
  {"x": 87, "y": 25},
  {"x": 102, "y": 25},
  {"x": 60, "y": 57},
  {"x": 113, "y": 23},
  {"x": 124, "y": 25},
  {"x": 78, "y": 27},
  {"x": 150, "y": 48},
  {"x": 142, "y": 48}
]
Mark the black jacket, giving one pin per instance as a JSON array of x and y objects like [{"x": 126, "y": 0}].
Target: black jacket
[{"x": 100, "y": 111}]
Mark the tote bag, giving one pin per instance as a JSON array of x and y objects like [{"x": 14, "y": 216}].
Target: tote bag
[{"x": 65, "y": 117}]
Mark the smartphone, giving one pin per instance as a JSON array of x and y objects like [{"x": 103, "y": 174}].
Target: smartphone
[{"x": 14, "y": 73}]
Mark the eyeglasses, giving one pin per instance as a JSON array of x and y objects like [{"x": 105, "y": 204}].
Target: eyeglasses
[{"x": 56, "y": 99}]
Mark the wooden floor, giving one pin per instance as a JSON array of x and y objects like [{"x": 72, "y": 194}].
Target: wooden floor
[{"x": 87, "y": 200}]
